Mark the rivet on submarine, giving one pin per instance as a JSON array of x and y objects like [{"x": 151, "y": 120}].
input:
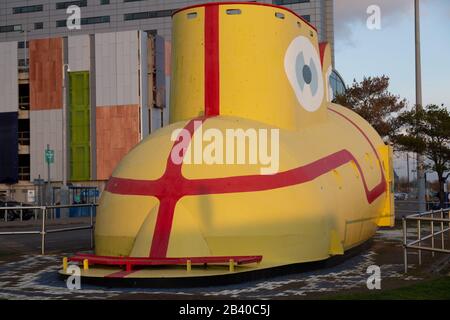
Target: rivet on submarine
[{"x": 244, "y": 65}]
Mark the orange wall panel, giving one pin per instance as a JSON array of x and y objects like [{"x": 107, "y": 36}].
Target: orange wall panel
[
  {"x": 117, "y": 132},
  {"x": 168, "y": 58},
  {"x": 46, "y": 60}
]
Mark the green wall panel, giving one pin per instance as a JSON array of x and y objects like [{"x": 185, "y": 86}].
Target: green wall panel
[{"x": 79, "y": 114}]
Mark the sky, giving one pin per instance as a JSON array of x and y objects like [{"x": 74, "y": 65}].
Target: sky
[{"x": 361, "y": 52}]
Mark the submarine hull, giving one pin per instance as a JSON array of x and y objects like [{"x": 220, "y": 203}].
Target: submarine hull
[
  {"x": 325, "y": 198},
  {"x": 259, "y": 70}
]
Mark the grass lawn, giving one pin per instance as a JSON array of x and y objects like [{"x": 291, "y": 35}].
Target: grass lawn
[{"x": 436, "y": 289}]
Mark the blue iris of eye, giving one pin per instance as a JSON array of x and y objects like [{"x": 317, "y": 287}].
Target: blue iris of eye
[{"x": 306, "y": 73}]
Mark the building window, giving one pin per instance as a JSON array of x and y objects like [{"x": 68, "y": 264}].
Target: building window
[
  {"x": 148, "y": 15},
  {"x": 21, "y": 44},
  {"x": 283, "y": 2},
  {"x": 65, "y": 5},
  {"x": 11, "y": 28},
  {"x": 28, "y": 9},
  {"x": 102, "y": 2},
  {"x": 85, "y": 21},
  {"x": 307, "y": 17},
  {"x": 22, "y": 63},
  {"x": 38, "y": 26},
  {"x": 337, "y": 83}
]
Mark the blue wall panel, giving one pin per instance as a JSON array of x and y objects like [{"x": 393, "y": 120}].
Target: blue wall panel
[{"x": 9, "y": 147}]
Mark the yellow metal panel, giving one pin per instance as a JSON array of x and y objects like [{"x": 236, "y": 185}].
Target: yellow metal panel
[
  {"x": 186, "y": 226},
  {"x": 336, "y": 247},
  {"x": 118, "y": 221},
  {"x": 251, "y": 87},
  {"x": 143, "y": 240},
  {"x": 387, "y": 219},
  {"x": 134, "y": 166},
  {"x": 188, "y": 77}
]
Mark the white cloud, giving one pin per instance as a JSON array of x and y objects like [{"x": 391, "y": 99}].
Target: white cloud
[{"x": 353, "y": 13}]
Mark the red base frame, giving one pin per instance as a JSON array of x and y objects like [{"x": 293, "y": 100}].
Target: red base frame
[{"x": 130, "y": 262}]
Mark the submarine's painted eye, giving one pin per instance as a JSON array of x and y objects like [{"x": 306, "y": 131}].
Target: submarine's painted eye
[
  {"x": 304, "y": 70},
  {"x": 330, "y": 94}
]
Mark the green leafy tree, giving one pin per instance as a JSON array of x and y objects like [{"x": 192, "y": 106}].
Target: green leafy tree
[
  {"x": 372, "y": 100},
  {"x": 427, "y": 131}
]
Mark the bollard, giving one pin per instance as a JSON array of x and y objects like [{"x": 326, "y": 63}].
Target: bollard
[
  {"x": 85, "y": 264},
  {"x": 231, "y": 265},
  {"x": 65, "y": 263},
  {"x": 188, "y": 266}
]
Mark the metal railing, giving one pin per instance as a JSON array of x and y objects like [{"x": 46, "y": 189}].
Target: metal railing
[
  {"x": 443, "y": 221},
  {"x": 45, "y": 216},
  {"x": 408, "y": 207},
  {"x": 22, "y": 208}
]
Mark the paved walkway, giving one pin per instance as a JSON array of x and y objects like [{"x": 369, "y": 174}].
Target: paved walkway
[{"x": 35, "y": 277}]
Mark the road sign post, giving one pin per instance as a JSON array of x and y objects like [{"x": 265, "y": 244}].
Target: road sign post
[{"x": 49, "y": 159}]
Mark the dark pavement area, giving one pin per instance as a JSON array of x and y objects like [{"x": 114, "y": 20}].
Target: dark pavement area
[
  {"x": 12, "y": 245},
  {"x": 25, "y": 274}
]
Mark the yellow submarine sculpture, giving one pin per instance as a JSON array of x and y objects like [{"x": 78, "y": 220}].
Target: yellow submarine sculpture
[{"x": 244, "y": 66}]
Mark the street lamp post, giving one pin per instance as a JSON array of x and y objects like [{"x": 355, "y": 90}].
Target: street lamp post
[
  {"x": 66, "y": 69},
  {"x": 420, "y": 162},
  {"x": 64, "y": 193}
]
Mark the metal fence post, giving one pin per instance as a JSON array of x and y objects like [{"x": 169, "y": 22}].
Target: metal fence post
[
  {"x": 44, "y": 213},
  {"x": 442, "y": 229},
  {"x": 419, "y": 237},
  {"x": 6, "y": 213},
  {"x": 92, "y": 226},
  {"x": 405, "y": 248},
  {"x": 432, "y": 233}
]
